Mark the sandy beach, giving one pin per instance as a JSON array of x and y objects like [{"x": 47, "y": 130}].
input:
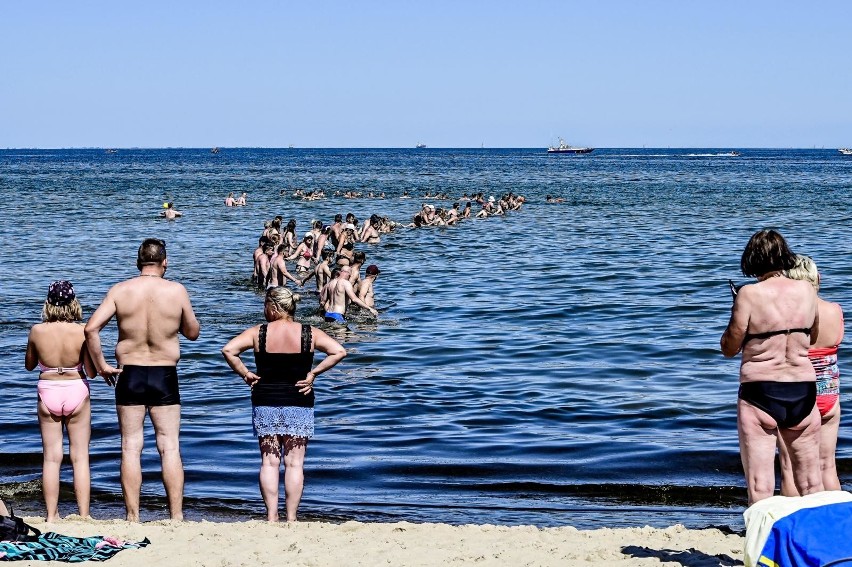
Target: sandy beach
[{"x": 257, "y": 543}]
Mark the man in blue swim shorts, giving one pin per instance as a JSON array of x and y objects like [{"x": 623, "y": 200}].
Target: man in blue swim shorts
[{"x": 337, "y": 296}]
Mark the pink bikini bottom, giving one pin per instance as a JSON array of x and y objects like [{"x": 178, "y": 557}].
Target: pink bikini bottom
[{"x": 62, "y": 397}]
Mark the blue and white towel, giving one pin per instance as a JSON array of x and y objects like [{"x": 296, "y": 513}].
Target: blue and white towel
[{"x": 800, "y": 531}]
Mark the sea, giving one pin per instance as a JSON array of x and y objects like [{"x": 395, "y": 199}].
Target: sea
[{"x": 557, "y": 366}]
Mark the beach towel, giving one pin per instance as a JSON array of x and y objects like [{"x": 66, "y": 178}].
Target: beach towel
[
  {"x": 800, "y": 531},
  {"x": 57, "y": 547}
]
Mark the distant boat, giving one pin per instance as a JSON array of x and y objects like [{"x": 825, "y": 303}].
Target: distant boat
[
  {"x": 845, "y": 151},
  {"x": 420, "y": 146},
  {"x": 111, "y": 151},
  {"x": 564, "y": 148},
  {"x": 215, "y": 151},
  {"x": 733, "y": 153}
]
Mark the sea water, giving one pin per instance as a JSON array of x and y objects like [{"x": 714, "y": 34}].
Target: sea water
[{"x": 556, "y": 366}]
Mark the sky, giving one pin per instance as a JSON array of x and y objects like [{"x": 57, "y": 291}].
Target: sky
[{"x": 460, "y": 73}]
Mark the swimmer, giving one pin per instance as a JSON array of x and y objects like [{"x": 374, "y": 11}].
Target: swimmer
[
  {"x": 289, "y": 237},
  {"x": 170, "y": 213},
  {"x": 241, "y": 202},
  {"x": 230, "y": 201},
  {"x": 304, "y": 253},
  {"x": 358, "y": 259},
  {"x": 365, "y": 289},
  {"x": 323, "y": 270},
  {"x": 370, "y": 234},
  {"x": 263, "y": 264},
  {"x": 347, "y": 241},
  {"x": 336, "y": 230},
  {"x": 278, "y": 273},
  {"x": 340, "y": 295}
]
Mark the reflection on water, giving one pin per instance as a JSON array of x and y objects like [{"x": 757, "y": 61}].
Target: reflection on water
[{"x": 556, "y": 366}]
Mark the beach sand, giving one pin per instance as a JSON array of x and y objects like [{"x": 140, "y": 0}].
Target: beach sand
[{"x": 258, "y": 543}]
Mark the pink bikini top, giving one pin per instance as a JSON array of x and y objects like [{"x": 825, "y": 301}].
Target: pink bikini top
[{"x": 59, "y": 370}]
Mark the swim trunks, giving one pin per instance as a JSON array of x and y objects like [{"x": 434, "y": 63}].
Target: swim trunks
[
  {"x": 788, "y": 403},
  {"x": 332, "y": 317},
  {"x": 147, "y": 386}
]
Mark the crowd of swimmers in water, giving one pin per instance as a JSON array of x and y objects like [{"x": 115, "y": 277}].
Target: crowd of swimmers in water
[{"x": 326, "y": 252}]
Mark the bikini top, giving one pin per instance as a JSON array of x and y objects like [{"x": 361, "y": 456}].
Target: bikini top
[
  {"x": 59, "y": 370},
  {"x": 768, "y": 334}
]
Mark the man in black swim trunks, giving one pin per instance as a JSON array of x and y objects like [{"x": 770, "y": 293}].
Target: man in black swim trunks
[{"x": 150, "y": 312}]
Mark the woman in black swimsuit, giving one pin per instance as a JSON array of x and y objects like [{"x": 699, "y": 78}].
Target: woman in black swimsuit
[
  {"x": 282, "y": 392},
  {"x": 773, "y": 322}
]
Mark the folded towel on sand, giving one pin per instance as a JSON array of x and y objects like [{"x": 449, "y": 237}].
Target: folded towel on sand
[
  {"x": 57, "y": 547},
  {"x": 796, "y": 531}
]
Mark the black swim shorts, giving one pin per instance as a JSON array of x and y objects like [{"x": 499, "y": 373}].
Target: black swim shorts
[{"x": 147, "y": 386}]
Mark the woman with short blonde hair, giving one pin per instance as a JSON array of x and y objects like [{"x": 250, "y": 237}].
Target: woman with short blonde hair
[{"x": 57, "y": 347}]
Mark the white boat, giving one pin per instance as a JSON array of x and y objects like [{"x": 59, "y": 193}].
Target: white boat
[
  {"x": 564, "y": 148},
  {"x": 845, "y": 151},
  {"x": 420, "y": 146}
]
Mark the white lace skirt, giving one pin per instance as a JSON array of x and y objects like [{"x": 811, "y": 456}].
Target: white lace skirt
[{"x": 283, "y": 420}]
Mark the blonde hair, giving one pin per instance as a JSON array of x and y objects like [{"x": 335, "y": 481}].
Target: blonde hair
[
  {"x": 805, "y": 269},
  {"x": 63, "y": 313},
  {"x": 282, "y": 299}
]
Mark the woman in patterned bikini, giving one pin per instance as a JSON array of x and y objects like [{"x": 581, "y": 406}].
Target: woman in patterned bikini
[
  {"x": 823, "y": 356},
  {"x": 282, "y": 393}
]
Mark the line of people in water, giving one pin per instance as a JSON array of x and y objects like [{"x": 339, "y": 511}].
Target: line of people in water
[{"x": 789, "y": 389}]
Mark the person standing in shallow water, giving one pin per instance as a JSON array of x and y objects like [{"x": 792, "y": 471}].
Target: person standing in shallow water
[
  {"x": 57, "y": 347},
  {"x": 772, "y": 323},
  {"x": 150, "y": 312},
  {"x": 823, "y": 356},
  {"x": 282, "y": 393}
]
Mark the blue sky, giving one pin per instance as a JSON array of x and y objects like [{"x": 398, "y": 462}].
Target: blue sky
[{"x": 449, "y": 74}]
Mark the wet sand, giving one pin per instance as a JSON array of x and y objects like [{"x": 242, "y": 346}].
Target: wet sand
[{"x": 257, "y": 543}]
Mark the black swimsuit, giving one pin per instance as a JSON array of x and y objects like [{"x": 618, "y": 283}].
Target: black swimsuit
[
  {"x": 279, "y": 372},
  {"x": 788, "y": 403},
  {"x": 147, "y": 386}
]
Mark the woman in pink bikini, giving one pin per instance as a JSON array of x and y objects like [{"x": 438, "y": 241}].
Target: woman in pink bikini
[{"x": 58, "y": 348}]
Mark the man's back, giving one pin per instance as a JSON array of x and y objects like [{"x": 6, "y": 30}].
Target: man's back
[
  {"x": 149, "y": 311},
  {"x": 338, "y": 300}
]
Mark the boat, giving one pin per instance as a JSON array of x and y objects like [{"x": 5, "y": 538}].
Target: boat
[
  {"x": 420, "y": 146},
  {"x": 845, "y": 151},
  {"x": 564, "y": 148},
  {"x": 111, "y": 151},
  {"x": 214, "y": 151}
]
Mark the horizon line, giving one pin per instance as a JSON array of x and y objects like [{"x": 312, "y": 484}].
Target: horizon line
[{"x": 412, "y": 148}]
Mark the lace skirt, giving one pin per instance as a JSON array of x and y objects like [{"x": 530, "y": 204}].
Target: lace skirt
[{"x": 283, "y": 420}]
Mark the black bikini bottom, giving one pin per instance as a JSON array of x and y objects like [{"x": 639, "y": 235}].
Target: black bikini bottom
[
  {"x": 789, "y": 403},
  {"x": 147, "y": 386}
]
